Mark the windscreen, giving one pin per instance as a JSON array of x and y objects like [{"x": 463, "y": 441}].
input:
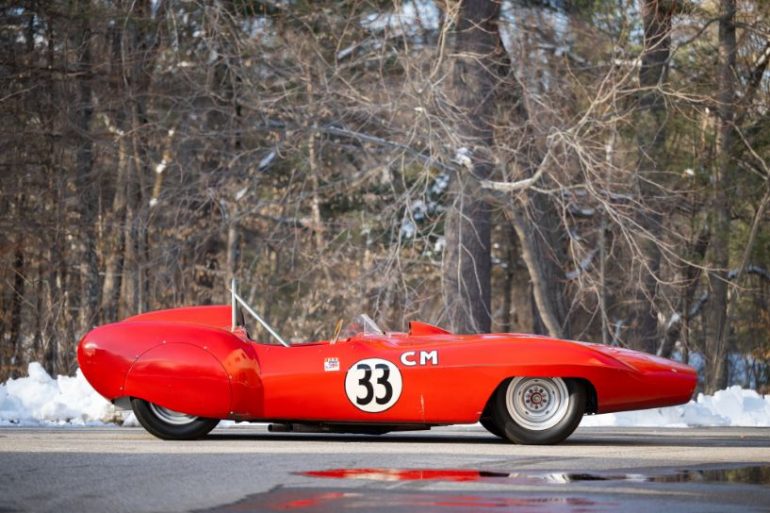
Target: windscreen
[{"x": 361, "y": 324}]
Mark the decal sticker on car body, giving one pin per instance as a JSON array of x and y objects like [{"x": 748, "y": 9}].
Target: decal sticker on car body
[
  {"x": 410, "y": 358},
  {"x": 373, "y": 385}
]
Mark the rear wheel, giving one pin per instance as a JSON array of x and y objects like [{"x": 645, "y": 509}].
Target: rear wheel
[
  {"x": 539, "y": 410},
  {"x": 169, "y": 424}
]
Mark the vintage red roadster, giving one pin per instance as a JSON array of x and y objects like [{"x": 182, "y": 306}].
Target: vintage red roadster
[{"x": 183, "y": 370}]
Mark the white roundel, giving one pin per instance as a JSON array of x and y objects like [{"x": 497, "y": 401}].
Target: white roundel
[{"x": 373, "y": 385}]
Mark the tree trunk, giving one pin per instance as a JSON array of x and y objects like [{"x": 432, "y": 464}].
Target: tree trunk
[
  {"x": 113, "y": 271},
  {"x": 87, "y": 188},
  {"x": 716, "y": 375},
  {"x": 116, "y": 238},
  {"x": 467, "y": 261},
  {"x": 57, "y": 304},
  {"x": 511, "y": 256},
  {"x": 643, "y": 333},
  {"x": 233, "y": 240},
  {"x": 691, "y": 278},
  {"x": 16, "y": 302},
  {"x": 543, "y": 264},
  {"x": 40, "y": 317}
]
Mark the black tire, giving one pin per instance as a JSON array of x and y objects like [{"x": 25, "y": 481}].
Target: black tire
[
  {"x": 491, "y": 426},
  {"x": 539, "y": 411},
  {"x": 168, "y": 424}
]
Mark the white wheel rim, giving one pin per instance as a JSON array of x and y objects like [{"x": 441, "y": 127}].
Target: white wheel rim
[
  {"x": 170, "y": 416},
  {"x": 537, "y": 403}
]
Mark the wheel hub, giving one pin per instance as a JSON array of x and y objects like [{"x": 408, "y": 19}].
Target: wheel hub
[
  {"x": 170, "y": 416},
  {"x": 537, "y": 403},
  {"x": 536, "y": 398}
]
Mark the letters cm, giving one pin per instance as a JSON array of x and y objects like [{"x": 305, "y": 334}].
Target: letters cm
[{"x": 409, "y": 358}]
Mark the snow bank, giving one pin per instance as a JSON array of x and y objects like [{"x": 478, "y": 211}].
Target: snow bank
[
  {"x": 41, "y": 400},
  {"x": 733, "y": 406}
]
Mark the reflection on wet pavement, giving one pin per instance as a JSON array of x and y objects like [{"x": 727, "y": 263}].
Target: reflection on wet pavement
[
  {"x": 756, "y": 474},
  {"x": 376, "y": 501},
  {"x": 389, "y": 474}
]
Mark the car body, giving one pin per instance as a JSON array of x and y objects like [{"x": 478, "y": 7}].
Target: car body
[{"x": 196, "y": 363}]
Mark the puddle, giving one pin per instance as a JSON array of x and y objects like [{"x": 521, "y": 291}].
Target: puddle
[
  {"x": 755, "y": 475},
  {"x": 374, "y": 501}
]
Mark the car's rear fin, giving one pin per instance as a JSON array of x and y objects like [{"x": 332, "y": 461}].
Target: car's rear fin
[{"x": 417, "y": 328}]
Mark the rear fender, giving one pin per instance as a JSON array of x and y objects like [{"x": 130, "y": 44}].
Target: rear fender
[
  {"x": 191, "y": 368},
  {"x": 182, "y": 377}
]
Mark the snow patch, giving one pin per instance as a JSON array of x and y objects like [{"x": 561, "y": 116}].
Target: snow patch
[
  {"x": 409, "y": 18},
  {"x": 734, "y": 406},
  {"x": 265, "y": 162},
  {"x": 463, "y": 157},
  {"x": 440, "y": 184},
  {"x": 41, "y": 400},
  {"x": 408, "y": 229}
]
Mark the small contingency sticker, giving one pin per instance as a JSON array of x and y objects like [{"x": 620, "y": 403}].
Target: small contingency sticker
[{"x": 331, "y": 364}]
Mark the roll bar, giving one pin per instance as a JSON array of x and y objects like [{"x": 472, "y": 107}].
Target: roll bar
[{"x": 236, "y": 299}]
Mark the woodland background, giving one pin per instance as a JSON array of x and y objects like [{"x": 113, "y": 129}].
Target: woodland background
[{"x": 591, "y": 169}]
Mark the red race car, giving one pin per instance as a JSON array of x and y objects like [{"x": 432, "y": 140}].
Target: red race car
[{"x": 182, "y": 370}]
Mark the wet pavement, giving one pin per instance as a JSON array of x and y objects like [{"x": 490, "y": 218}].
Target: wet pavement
[
  {"x": 548, "y": 497},
  {"x": 449, "y": 470},
  {"x": 340, "y": 500}
]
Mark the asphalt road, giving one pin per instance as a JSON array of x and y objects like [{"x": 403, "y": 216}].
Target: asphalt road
[{"x": 461, "y": 470}]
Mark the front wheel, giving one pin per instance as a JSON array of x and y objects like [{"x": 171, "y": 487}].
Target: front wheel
[
  {"x": 539, "y": 411},
  {"x": 169, "y": 424}
]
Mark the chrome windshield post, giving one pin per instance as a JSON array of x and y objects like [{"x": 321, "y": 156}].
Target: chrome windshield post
[
  {"x": 232, "y": 305},
  {"x": 235, "y": 298}
]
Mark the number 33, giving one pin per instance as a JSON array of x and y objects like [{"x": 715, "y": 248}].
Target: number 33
[{"x": 373, "y": 385}]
